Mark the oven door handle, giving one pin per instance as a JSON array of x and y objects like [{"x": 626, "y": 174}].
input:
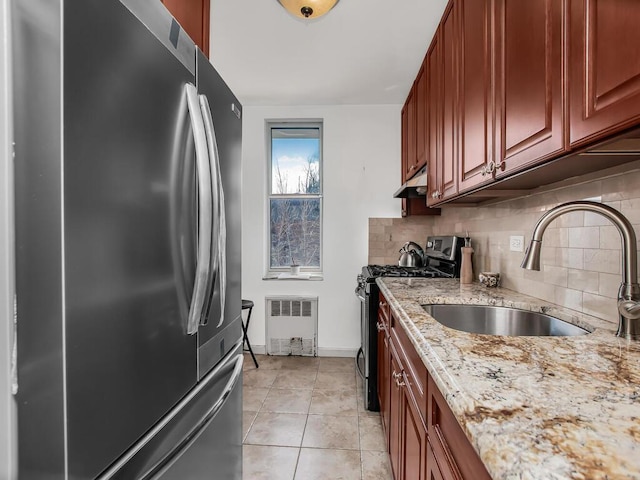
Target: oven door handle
[{"x": 358, "y": 355}]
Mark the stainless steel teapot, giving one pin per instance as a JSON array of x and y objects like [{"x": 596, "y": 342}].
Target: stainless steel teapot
[{"x": 411, "y": 255}]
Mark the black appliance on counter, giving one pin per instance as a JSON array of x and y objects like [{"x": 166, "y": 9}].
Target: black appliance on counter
[{"x": 442, "y": 260}]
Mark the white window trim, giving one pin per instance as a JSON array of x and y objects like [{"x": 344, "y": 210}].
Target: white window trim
[{"x": 282, "y": 273}]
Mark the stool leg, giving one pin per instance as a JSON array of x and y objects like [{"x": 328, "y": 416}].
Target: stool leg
[{"x": 246, "y": 338}]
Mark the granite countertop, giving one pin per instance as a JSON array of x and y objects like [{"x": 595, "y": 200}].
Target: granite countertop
[{"x": 532, "y": 407}]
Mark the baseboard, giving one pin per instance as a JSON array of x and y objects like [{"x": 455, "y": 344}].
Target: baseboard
[
  {"x": 322, "y": 352},
  {"x": 337, "y": 352}
]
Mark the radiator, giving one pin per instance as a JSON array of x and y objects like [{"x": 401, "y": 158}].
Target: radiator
[{"x": 292, "y": 325}]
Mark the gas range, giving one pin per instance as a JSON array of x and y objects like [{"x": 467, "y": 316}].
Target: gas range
[{"x": 442, "y": 260}]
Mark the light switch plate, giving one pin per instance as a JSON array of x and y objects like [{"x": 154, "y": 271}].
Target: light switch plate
[{"x": 516, "y": 243}]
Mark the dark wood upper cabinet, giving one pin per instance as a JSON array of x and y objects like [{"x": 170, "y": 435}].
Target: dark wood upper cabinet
[
  {"x": 604, "y": 68},
  {"x": 411, "y": 135},
  {"x": 530, "y": 126},
  {"x": 434, "y": 120},
  {"x": 449, "y": 88},
  {"x": 193, "y": 16},
  {"x": 476, "y": 90},
  {"x": 421, "y": 118}
]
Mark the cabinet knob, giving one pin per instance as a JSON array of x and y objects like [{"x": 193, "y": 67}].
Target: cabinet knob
[
  {"x": 382, "y": 304},
  {"x": 502, "y": 165},
  {"x": 379, "y": 326},
  {"x": 412, "y": 167}
]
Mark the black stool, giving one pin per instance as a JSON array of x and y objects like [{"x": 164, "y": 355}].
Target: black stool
[{"x": 248, "y": 304}]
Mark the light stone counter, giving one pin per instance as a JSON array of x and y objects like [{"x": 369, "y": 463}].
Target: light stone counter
[{"x": 532, "y": 407}]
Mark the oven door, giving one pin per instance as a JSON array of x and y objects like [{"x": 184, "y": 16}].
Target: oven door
[{"x": 366, "y": 359}]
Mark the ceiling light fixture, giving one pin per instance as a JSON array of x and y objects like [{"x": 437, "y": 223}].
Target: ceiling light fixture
[{"x": 308, "y": 8}]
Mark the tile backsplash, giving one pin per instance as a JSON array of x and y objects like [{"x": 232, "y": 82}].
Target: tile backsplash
[{"x": 581, "y": 251}]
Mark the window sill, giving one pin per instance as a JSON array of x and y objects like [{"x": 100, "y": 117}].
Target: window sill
[{"x": 313, "y": 276}]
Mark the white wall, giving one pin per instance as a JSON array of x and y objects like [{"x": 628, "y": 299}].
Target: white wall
[{"x": 361, "y": 171}]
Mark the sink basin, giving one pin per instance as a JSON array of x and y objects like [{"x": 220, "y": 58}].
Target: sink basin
[{"x": 489, "y": 320}]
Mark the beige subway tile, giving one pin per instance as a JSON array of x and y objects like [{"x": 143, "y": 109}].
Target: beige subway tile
[
  {"x": 569, "y": 298},
  {"x": 630, "y": 208},
  {"x": 583, "y": 280},
  {"x": 609, "y": 284},
  {"x": 621, "y": 187},
  {"x": 595, "y": 220},
  {"x": 605, "y": 261},
  {"x": 556, "y": 237},
  {"x": 601, "y": 307},
  {"x": 376, "y": 229},
  {"x": 571, "y": 219},
  {"x": 610, "y": 238},
  {"x": 584, "y": 237},
  {"x": 570, "y": 258},
  {"x": 555, "y": 275}
]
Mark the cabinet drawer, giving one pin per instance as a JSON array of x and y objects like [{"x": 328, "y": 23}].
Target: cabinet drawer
[
  {"x": 450, "y": 445},
  {"x": 415, "y": 370},
  {"x": 383, "y": 308}
]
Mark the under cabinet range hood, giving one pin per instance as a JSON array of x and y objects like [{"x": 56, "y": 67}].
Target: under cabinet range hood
[{"x": 416, "y": 186}]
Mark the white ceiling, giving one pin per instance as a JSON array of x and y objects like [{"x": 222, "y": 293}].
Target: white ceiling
[{"x": 363, "y": 52}]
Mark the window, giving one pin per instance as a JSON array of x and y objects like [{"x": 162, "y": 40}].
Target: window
[{"x": 295, "y": 195}]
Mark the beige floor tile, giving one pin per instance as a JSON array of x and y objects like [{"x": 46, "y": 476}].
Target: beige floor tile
[
  {"x": 333, "y": 402},
  {"x": 287, "y": 400},
  {"x": 259, "y": 378},
  {"x": 336, "y": 381},
  {"x": 322, "y": 464},
  {"x": 282, "y": 429},
  {"x": 375, "y": 466},
  {"x": 335, "y": 364},
  {"x": 252, "y": 397},
  {"x": 361, "y": 408},
  {"x": 295, "y": 379},
  {"x": 299, "y": 363},
  {"x": 268, "y": 362},
  {"x": 371, "y": 436},
  {"x": 269, "y": 463},
  {"x": 248, "y": 417},
  {"x": 331, "y": 431}
]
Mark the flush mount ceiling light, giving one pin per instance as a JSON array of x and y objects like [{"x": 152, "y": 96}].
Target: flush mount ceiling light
[{"x": 308, "y": 8}]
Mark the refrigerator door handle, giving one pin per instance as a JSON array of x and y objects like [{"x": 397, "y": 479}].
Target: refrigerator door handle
[
  {"x": 221, "y": 222},
  {"x": 173, "y": 455},
  {"x": 205, "y": 208}
]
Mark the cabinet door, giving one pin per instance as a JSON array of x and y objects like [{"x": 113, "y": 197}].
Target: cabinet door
[
  {"x": 604, "y": 67},
  {"x": 433, "y": 471},
  {"x": 434, "y": 122},
  {"x": 449, "y": 158},
  {"x": 193, "y": 16},
  {"x": 383, "y": 379},
  {"x": 404, "y": 159},
  {"x": 414, "y": 437},
  {"x": 411, "y": 134},
  {"x": 395, "y": 417},
  {"x": 476, "y": 101},
  {"x": 421, "y": 118},
  {"x": 529, "y": 96}
]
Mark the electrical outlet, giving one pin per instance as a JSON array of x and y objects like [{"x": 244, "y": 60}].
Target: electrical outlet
[{"x": 516, "y": 243}]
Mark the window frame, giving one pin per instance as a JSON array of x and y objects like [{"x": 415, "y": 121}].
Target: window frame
[{"x": 292, "y": 123}]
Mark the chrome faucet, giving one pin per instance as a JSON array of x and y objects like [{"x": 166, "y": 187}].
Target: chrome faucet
[{"x": 629, "y": 293}]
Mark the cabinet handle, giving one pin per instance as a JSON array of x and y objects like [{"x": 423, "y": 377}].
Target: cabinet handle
[
  {"x": 412, "y": 167},
  {"x": 379, "y": 326},
  {"x": 397, "y": 377},
  {"x": 491, "y": 166},
  {"x": 382, "y": 304},
  {"x": 502, "y": 165}
]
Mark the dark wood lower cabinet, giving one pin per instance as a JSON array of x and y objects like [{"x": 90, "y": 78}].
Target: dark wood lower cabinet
[
  {"x": 413, "y": 437},
  {"x": 424, "y": 439}
]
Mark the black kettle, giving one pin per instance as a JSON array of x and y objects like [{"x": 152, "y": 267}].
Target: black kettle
[{"x": 411, "y": 255}]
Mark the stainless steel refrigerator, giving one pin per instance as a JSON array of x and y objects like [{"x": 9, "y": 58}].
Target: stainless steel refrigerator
[{"x": 127, "y": 241}]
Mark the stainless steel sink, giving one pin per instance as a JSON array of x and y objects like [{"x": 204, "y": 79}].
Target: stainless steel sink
[{"x": 490, "y": 320}]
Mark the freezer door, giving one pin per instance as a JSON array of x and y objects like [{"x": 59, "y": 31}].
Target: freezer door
[
  {"x": 129, "y": 231},
  {"x": 225, "y": 303},
  {"x": 200, "y": 438}
]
